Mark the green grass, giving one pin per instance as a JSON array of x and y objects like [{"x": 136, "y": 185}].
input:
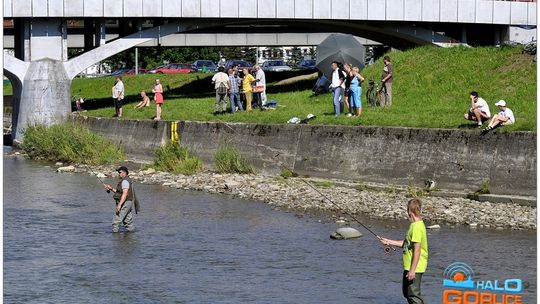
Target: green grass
[
  {"x": 227, "y": 159},
  {"x": 70, "y": 142},
  {"x": 431, "y": 90},
  {"x": 176, "y": 158}
]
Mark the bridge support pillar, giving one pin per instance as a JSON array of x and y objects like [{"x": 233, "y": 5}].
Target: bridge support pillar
[
  {"x": 45, "y": 95},
  {"x": 48, "y": 39}
]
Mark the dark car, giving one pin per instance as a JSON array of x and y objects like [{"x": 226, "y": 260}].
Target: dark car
[
  {"x": 132, "y": 72},
  {"x": 307, "y": 64},
  {"x": 173, "y": 68},
  {"x": 119, "y": 72},
  {"x": 275, "y": 66},
  {"x": 204, "y": 66},
  {"x": 241, "y": 64}
]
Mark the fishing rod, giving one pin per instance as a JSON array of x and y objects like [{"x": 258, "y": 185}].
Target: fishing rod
[
  {"x": 387, "y": 248},
  {"x": 97, "y": 176}
]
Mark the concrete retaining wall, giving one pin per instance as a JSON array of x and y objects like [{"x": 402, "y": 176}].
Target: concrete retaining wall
[
  {"x": 138, "y": 137},
  {"x": 456, "y": 160}
]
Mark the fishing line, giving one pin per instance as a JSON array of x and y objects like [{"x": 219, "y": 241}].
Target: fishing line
[
  {"x": 387, "y": 248},
  {"x": 97, "y": 176}
]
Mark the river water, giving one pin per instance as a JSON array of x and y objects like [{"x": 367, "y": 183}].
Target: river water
[{"x": 193, "y": 247}]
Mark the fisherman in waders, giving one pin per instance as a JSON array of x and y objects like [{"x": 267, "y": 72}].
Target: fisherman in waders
[{"x": 126, "y": 201}]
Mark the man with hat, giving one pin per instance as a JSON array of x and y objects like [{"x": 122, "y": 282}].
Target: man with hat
[
  {"x": 504, "y": 117},
  {"x": 126, "y": 201}
]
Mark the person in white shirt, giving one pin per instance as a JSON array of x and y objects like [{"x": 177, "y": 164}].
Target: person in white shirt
[
  {"x": 337, "y": 86},
  {"x": 479, "y": 110},
  {"x": 221, "y": 85},
  {"x": 503, "y": 118},
  {"x": 118, "y": 96},
  {"x": 260, "y": 90}
]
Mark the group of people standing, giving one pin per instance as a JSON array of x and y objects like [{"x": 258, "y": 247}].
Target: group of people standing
[
  {"x": 346, "y": 86},
  {"x": 118, "y": 97},
  {"x": 239, "y": 87}
]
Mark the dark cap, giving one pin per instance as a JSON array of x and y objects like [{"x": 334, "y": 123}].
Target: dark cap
[{"x": 123, "y": 168}]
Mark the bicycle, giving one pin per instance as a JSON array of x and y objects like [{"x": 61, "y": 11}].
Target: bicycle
[{"x": 375, "y": 95}]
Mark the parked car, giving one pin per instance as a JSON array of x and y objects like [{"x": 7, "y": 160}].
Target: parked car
[
  {"x": 241, "y": 64},
  {"x": 119, "y": 72},
  {"x": 173, "y": 68},
  {"x": 275, "y": 66},
  {"x": 307, "y": 64},
  {"x": 132, "y": 71},
  {"x": 204, "y": 66}
]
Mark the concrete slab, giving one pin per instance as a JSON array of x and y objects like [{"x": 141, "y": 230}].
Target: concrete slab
[
  {"x": 359, "y": 7},
  {"x": 376, "y": 10},
  {"x": 519, "y": 13},
  {"x": 285, "y": 8},
  {"x": 449, "y": 12},
  {"x": 484, "y": 11},
  {"x": 514, "y": 199},
  {"x": 322, "y": 9},
  {"x": 303, "y": 9},
  {"x": 430, "y": 10},
  {"x": 467, "y": 11},
  {"x": 74, "y": 8},
  {"x": 413, "y": 9},
  {"x": 501, "y": 12},
  {"x": 395, "y": 10}
]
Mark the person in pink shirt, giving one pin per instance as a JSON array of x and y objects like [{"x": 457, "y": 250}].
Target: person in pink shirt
[{"x": 158, "y": 97}]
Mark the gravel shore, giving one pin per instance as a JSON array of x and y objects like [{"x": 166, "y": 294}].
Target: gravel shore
[{"x": 294, "y": 193}]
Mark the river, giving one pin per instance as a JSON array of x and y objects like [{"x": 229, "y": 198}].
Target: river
[{"x": 194, "y": 247}]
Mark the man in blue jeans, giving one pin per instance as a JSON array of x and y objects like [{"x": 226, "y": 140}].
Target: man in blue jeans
[
  {"x": 234, "y": 91},
  {"x": 338, "y": 79}
]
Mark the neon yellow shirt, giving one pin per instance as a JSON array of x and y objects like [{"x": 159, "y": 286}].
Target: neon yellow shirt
[{"x": 416, "y": 234}]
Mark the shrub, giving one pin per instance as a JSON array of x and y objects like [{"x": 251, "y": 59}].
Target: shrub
[
  {"x": 286, "y": 173},
  {"x": 228, "y": 160},
  {"x": 70, "y": 142},
  {"x": 176, "y": 158}
]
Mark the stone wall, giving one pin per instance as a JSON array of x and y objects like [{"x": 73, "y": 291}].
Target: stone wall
[{"x": 454, "y": 159}]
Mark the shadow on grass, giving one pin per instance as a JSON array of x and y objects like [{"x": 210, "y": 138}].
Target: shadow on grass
[{"x": 202, "y": 87}]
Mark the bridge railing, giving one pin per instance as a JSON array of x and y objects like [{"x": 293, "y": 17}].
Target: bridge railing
[{"x": 460, "y": 11}]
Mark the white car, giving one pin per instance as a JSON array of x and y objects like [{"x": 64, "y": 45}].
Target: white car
[{"x": 275, "y": 66}]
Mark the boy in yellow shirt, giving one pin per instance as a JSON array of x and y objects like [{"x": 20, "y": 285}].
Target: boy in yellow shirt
[{"x": 415, "y": 253}]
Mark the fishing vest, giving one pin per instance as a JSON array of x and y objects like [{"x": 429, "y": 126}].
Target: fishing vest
[{"x": 119, "y": 190}]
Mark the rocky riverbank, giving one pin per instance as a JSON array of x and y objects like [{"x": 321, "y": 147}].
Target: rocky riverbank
[{"x": 297, "y": 195}]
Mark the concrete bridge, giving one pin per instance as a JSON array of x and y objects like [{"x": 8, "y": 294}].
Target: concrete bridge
[{"x": 41, "y": 71}]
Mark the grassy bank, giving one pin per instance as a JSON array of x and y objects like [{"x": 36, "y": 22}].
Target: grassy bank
[
  {"x": 431, "y": 88},
  {"x": 71, "y": 143}
]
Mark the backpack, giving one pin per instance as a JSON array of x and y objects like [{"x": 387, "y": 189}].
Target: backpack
[{"x": 222, "y": 89}]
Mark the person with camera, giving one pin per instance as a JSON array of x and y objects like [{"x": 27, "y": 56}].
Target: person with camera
[{"x": 126, "y": 201}]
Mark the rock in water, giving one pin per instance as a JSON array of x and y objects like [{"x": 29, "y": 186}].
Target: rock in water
[
  {"x": 66, "y": 169},
  {"x": 345, "y": 233}
]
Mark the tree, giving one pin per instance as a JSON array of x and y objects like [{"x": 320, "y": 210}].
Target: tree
[{"x": 296, "y": 56}]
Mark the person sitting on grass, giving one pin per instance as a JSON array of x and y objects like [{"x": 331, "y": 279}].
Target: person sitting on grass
[
  {"x": 479, "y": 110},
  {"x": 145, "y": 101},
  {"x": 503, "y": 118}
]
